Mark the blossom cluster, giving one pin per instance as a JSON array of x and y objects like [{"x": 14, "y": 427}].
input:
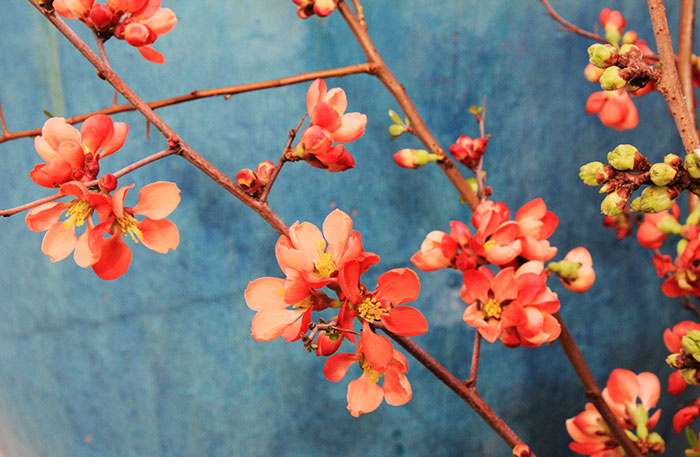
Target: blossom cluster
[
  {"x": 72, "y": 163},
  {"x": 138, "y": 22},
  {"x": 514, "y": 305},
  {"x": 323, "y": 270}
]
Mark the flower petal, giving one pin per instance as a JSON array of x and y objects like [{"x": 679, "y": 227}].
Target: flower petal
[
  {"x": 157, "y": 200},
  {"x": 59, "y": 242},
  {"x": 337, "y": 366},
  {"x": 115, "y": 258},
  {"x": 160, "y": 235},
  {"x": 397, "y": 389},
  {"x": 377, "y": 349},
  {"x": 397, "y": 286},
  {"x": 364, "y": 396},
  {"x": 264, "y": 293},
  {"x": 405, "y": 320}
]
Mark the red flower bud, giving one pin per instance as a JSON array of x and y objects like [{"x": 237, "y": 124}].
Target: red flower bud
[
  {"x": 108, "y": 183},
  {"x": 248, "y": 180},
  {"x": 101, "y": 16},
  {"x": 264, "y": 171}
]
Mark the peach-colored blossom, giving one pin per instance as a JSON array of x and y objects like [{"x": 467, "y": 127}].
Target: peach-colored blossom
[
  {"x": 536, "y": 224},
  {"x": 615, "y": 109},
  {"x": 327, "y": 109},
  {"x": 436, "y": 252},
  {"x": 585, "y": 275}
]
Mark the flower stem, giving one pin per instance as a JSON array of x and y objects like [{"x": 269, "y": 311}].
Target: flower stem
[{"x": 283, "y": 159}]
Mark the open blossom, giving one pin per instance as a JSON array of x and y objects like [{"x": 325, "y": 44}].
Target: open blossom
[
  {"x": 364, "y": 393},
  {"x": 156, "y": 201},
  {"x": 138, "y": 22},
  {"x": 441, "y": 250},
  {"x": 60, "y": 239},
  {"x": 469, "y": 151},
  {"x": 497, "y": 239},
  {"x": 72, "y": 154},
  {"x": 615, "y": 109},
  {"x": 536, "y": 224}
]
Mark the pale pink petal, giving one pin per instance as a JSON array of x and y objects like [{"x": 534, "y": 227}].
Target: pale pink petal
[
  {"x": 397, "y": 389},
  {"x": 73, "y": 153},
  {"x": 96, "y": 131},
  {"x": 157, "y": 200},
  {"x": 44, "y": 216},
  {"x": 307, "y": 238},
  {"x": 315, "y": 94},
  {"x": 45, "y": 151},
  {"x": 649, "y": 389},
  {"x": 337, "y": 229},
  {"x": 491, "y": 331},
  {"x": 56, "y": 130},
  {"x": 59, "y": 242},
  {"x": 337, "y": 99},
  {"x": 352, "y": 126},
  {"x": 337, "y": 366},
  {"x": 162, "y": 21},
  {"x": 120, "y": 132},
  {"x": 364, "y": 396},
  {"x": 270, "y": 323}
]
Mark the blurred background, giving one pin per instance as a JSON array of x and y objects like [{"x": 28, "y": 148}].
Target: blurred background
[{"x": 161, "y": 363}]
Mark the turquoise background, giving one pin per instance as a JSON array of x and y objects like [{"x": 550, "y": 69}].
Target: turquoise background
[{"x": 161, "y": 362}]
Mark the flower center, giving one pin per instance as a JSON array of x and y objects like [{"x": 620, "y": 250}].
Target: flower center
[
  {"x": 488, "y": 245},
  {"x": 324, "y": 265},
  {"x": 373, "y": 374},
  {"x": 492, "y": 308},
  {"x": 371, "y": 310},
  {"x": 77, "y": 213},
  {"x": 305, "y": 303},
  {"x": 127, "y": 225}
]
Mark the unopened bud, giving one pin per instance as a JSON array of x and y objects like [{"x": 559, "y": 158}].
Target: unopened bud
[
  {"x": 414, "y": 158},
  {"x": 613, "y": 204},
  {"x": 627, "y": 157},
  {"x": 692, "y": 164},
  {"x": 689, "y": 375},
  {"x": 595, "y": 173},
  {"x": 107, "y": 183},
  {"x": 101, "y": 16},
  {"x": 611, "y": 80},
  {"x": 629, "y": 49},
  {"x": 592, "y": 73},
  {"x": 248, "y": 181},
  {"x": 691, "y": 343},
  {"x": 565, "y": 269},
  {"x": 673, "y": 160},
  {"x": 673, "y": 361},
  {"x": 654, "y": 199},
  {"x": 601, "y": 55},
  {"x": 521, "y": 450},
  {"x": 656, "y": 444},
  {"x": 662, "y": 174},
  {"x": 264, "y": 171},
  {"x": 629, "y": 37},
  {"x": 612, "y": 33}
]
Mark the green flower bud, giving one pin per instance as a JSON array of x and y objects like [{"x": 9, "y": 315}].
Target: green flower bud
[
  {"x": 669, "y": 225},
  {"x": 625, "y": 157},
  {"x": 689, "y": 376},
  {"x": 654, "y": 199},
  {"x": 672, "y": 361},
  {"x": 612, "y": 204},
  {"x": 680, "y": 246},
  {"x": 601, "y": 55},
  {"x": 662, "y": 174},
  {"x": 673, "y": 160},
  {"x": 612, "y": 34},
  {"x": 473, "y": 184},
  {"x": 691, "y": 343},
  {"x": 565, "y": 269},
  {"x": 629, "y": 49},
  {"x": 595, "y": 173},
  {"x": 692, "y": 164},
  {"x": 656, "y": 443},
  {"x": 611, "y": 80}
]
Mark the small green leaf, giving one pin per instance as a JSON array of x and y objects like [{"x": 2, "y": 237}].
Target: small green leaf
[
  {"x": 47, "y": 113},
  {"x": 692, "y": 437},
  {"x": 395, "y": 117},
  {"x": 396, "y": 129},
  {"x": 475, "y": 110}
]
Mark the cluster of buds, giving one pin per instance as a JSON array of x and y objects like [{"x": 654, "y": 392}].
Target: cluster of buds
[
  {"x": 687, "y": 359},
  {"x": 334, "y": 259},
  {"x": 628, "y": 170},
  {"x": 308, "y": 8},
  {"x": 623, "y": 390},
  {"x": 329, "y": 123},
  {"x": 468, "y": 151},
  {"x": 621, "y": 71},
  {"x": 72, "y": 162},
  {"x": 254, "y": 182},
  {"x": 514, "y": 305},
  {"x": 138, "y": 22}
]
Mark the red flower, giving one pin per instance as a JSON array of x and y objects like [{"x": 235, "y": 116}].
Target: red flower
[
  {"x": 684, "y": 417},
  {"x": 614, "y": 108}
]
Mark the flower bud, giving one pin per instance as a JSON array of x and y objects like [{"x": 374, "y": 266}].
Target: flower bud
[
  {"x": 612, "y": 33},
  {"x": 101, "y": 16},
  {"x": 414, "y": 158},
  {"x": 691, "y": 343},
  {"x": 654, "y": 199},
  {"x": 613, "y": 203},
  {"x": 629, "y": 49},
  {"x": 576, "y": 270},
  {"x": 656, "y": 444},
  {"x": 328, "y": 342},
  {"x": 264, "y": 171},
  {"x": 592, "y": 73},
  {"x": 673, "y": 361},
  {"x": 692, "y": 164},
  {"x": 690, "y": 376},
  {"x": 248, "y": 181},
  {"x": 627, "y": 157},
  {"x": 662, "y": 174},
  {"x": 669, "y": 225},
  {"x": 630, "y": 37},
  {"x": 601, "y": 55},
  {"x": 611, "y": 80},
  {"x": 521, "y": 450},
  {"x": 595, "y": 173},
  {"x": 673, "y": 160},
  {"x": 107, "y": 183}
]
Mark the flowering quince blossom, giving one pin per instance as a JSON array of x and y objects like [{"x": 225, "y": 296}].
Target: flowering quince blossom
[
  {"x": 592, "y": 436},
  {"x": 139, "y": 22},
  {"x": 469, "y": 151},
  {"x": 156, "y": 201},
  {"x": 60, "y": 239},
  {"x": 308, "y": 8},
  {"x": 329, "y": 123},
  {"x": 672, "y": 340},
  {"x": 685, "y": 279},
  {"x": 585, "y": 275},
  {"x": 649, "y": 235},
  {"x": 440, "y": 250},
  {"x": 496, "y": 238},
  {"x": 73, "y": 154},
  {"x": 615, "y": 109},
  {"x": 536, "y": 225},
  {"x": 364, "y": 393},
  {"x": 685, "y": 416}
]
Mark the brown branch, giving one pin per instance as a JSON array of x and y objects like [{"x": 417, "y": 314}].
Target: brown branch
[
  {"x": 185, "y": 151},
  {"x": 283, "y": 159},
  {"x": 685, "y": 68},
  {"x": 381, "y": 71},
  {"x": 360, "y": 13},
  {"x": 592, "y": 390},
  {"x": 468, "y": 394},
  {"x": 200, "y": 94},
  {"x": 471, "y": 382},
  {"x": 669, "y": 84},
  {"x": 117, "y": 174},
  {"x": 568, "y": 26}
]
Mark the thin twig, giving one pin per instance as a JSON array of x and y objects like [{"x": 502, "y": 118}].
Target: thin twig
[
  {"x": 283, "y": 159},
  {"x": 592, "y": 390},
  {"x": 200, "y": 94},
  {"x": 101, "y": 48},
  {"x": 185, "y": 151},
  {"x": 480, "y": 165},
  {"x": 668, "y": 83},
  {"x": 381, "y": 71},
  {"x": 360, "y": 13},
  {"x": 471, "y": 382},
  {"x": 117, "y": 174},
  {"x": 2, "y": 123}
]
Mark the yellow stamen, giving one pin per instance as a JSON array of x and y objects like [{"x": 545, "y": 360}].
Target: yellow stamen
[
  {"x": 373, "y": 374},
  {"x": 325, "y": 265},
  {"x": 371, "y": 310},
  {"x": 337, "y": 110},
  {"x": 492, "y": 309},
  {"x": 127, "y": 225},
  {"x": 305, "y": 303},
  {"x": 488, "y": 245},
  {"x": 77, "y": 214}
]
